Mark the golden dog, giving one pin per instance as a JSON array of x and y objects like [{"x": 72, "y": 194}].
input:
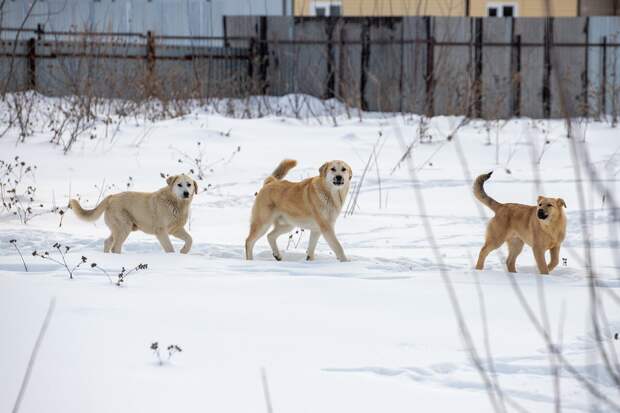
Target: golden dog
[
  {"x": 542, "y": 227},
  {"x": 160, "y": 213},
  {"x": 313, "y": 204}
]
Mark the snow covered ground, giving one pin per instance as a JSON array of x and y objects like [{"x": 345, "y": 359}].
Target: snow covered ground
[{"x": 377, "y": 334}]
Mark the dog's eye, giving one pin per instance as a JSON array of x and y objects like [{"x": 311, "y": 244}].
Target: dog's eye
[
  {"x": 539, "y": 205},
  {"x": 188, "y": 185},
  {"x": 179, "y": 185},
  {"x": 333, "y": 169},
  {"x": 344, "y": 169},
  {"x": 549, "y": 205}
]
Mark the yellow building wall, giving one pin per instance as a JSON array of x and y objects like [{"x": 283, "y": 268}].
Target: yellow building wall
[
  {"x": 529, "y": 8},
  {"x": 391, "y": 7},
  {"x": 525, "y": 8}
]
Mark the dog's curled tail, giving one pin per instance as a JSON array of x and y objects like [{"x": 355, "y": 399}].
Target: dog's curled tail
[
  {"x": 481, "y": 195},
  {"x": 281, "y": 171},
  {"x": 89, "y": 214}
]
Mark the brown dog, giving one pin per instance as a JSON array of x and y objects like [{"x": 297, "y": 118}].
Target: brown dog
[
  {"x": 313, "y": 204},
  {"x": 542, "y": 227},
  {"x": 160, "y": 213}
]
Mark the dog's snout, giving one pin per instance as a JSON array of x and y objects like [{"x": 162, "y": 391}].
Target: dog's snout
[
  {"x": 541, "y": 214},
  {"x": 186, "y": 194},
  {"x": 338, "y": 180}
]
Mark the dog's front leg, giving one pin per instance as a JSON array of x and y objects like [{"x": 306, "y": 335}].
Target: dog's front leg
[
  {"x": 539, "y": 255},
  {"x": 164, "y": 240},
  {"x": 330, "y": 236},
  {"x": 555, "y": 258},
  {"x": 184, "y": 236},
  {"x": 314, "y": 238}
]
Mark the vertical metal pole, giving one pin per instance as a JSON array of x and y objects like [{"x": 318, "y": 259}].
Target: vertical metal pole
[
  {"x": 263, "y": 51},
  {"x": 603, "y": 103},
  {"x": 430, "y": 63},
  {"x": 546, "y": 91},
  {"x": 40, "y": 31},
  {"x": 478, "y": 67},
  {"x": 516, "y": 76},
  {"x": 364, "y": 63},
  {"x": 330, "y": 24},
  {"x": 343, "y": 57},
  {"x": 585, "y": 75},
  {"x": 402, "y": 69},
  {"x": 150, "y": 62},
  {"x": 32, "y": 64}
]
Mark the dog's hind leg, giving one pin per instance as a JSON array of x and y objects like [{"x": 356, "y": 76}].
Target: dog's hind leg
[
  {"x": 183, "y": 235},
  {"x": 257, "y": 230},
  {"x": 515, "y": 246},
  {"x": 119, "y": 239},
  {"x": 495, "y": 237},
  {"x": 120, "y": 225},
  {"x": 272, "y": 237},
  {"x": 314, "y": 238},
  {"x": 484, "y": 252},
  {"x": 107, "y": 244}
]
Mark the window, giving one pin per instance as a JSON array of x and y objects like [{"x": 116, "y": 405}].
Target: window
[
  {"x": 334, "y": 10},
  {"x": 326, "y": 8},
  {"x": 501, "y": 10}
]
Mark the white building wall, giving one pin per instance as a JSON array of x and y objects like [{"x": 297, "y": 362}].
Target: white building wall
[{"x": 168, "y": 17}]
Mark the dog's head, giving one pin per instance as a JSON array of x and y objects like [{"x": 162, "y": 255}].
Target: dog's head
[
  {"x": 549, "y": 208},
  {"x": 182, "y": 186},
  {"x": 337, "y": 174}
]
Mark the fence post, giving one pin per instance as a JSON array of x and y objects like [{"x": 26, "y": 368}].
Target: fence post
[
  {"x": 32, "y": 63},
  {"x": 365, "y": 57},
  {"x": 430, "y": 68},
  {"x": 150, "y": 62},
  {"x": 263, "y": 53},
  {"x": 40, "y": 31},
  {"x": 603, "y": 103},
  {"x": 478, "y": 67},
  {"x": 342, "y": 58},
  {"x": 546, "y": 92},
  {"x": 401, "y": 73},
  {"x": 585, "y": 74},
  {"x": 251, "y": 61},
  {"x": 516, "y": 75},
  {"x": 330, "y": 25}
]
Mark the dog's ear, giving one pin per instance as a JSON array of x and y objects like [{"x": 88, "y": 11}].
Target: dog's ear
[
  {"x": 540, "y": 198},
  {"x": 170, "y": 180},
  {"x": 561, "y": 202},
  {"x": 195, "y": 187},
  {"x": 350, "y": 172},
  {"x": 323, "y": 169}
]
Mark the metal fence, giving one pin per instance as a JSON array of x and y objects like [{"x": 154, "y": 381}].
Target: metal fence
[
  {"x": 123, "y": 65},
  {"x": 493, "y": 68},
  {"x": 483, "y": 67}
]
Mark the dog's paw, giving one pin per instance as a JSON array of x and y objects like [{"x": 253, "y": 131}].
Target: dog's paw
[
  {"x": 344, "y": 259},
  {"x": 309, "y": 258},
  {"x": 277, "y": 257}
]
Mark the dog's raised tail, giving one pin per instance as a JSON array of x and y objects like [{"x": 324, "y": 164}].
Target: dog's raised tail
[
  {"x": 281, "y": 170},
  {"x": 89, "y": 214},
  {"x": 480, "y": 193}
]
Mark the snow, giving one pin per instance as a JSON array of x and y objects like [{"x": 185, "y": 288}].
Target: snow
[{"x": 377, "y": 334}]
